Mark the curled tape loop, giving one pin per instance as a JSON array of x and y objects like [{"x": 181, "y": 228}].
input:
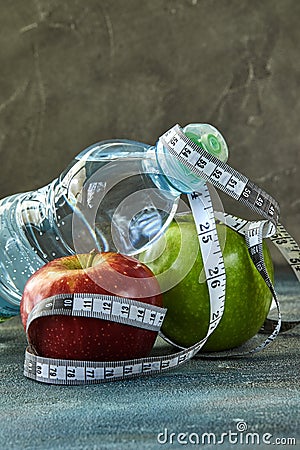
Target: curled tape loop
[{"x": 237, "y": 186}]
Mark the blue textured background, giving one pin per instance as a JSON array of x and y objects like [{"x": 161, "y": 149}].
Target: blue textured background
[{"x": 202, "y": 396}]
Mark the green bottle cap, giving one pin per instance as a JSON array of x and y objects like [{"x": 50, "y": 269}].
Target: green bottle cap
[{"x": 209, "y": 138}]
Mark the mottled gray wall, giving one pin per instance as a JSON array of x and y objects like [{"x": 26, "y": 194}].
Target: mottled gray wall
[{"x": 76, "y": 71}]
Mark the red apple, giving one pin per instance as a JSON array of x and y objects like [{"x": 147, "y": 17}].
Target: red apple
[{"x": 84, "y": 338}]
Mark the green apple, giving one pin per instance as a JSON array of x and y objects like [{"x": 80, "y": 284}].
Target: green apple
[{"x": 247, "y": 300}]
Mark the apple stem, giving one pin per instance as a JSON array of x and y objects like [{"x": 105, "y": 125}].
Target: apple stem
[{"x": 91, "y": 258}]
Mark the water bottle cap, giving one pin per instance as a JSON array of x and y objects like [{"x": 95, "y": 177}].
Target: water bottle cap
[
  {"x": 209, "y": 138},
  {"x": 177, "y": 174}
]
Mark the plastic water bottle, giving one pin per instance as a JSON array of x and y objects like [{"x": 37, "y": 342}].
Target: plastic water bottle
[{"x": 116, "y": 195}]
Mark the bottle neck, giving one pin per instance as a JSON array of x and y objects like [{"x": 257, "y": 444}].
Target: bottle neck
[
  {"x": 152, "y": 167},
  {"x": 177, "y": 176}
]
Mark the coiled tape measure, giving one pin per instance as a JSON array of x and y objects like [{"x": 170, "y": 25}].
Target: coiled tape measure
[{"x": 139, "y": 314}]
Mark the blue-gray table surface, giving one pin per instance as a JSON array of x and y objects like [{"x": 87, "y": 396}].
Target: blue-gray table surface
[{"x": 202, "y": 404}]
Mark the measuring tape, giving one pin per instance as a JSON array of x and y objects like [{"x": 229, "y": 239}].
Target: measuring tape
[
  {"x": 139, "y": 314},
  {"x": 105, "y": 307}
]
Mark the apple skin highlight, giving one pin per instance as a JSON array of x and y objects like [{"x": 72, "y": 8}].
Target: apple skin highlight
[{"x": 83, "y": 338}]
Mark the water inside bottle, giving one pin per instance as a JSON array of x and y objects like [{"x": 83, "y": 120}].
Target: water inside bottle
[
  {"x": 18, "y": 260},
  {"x": 105, "y": 200}
]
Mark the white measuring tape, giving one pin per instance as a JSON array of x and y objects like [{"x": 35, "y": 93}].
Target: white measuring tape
[
  {"x": 105, "y": 307},
  {"x": 139, "y": 314}
]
